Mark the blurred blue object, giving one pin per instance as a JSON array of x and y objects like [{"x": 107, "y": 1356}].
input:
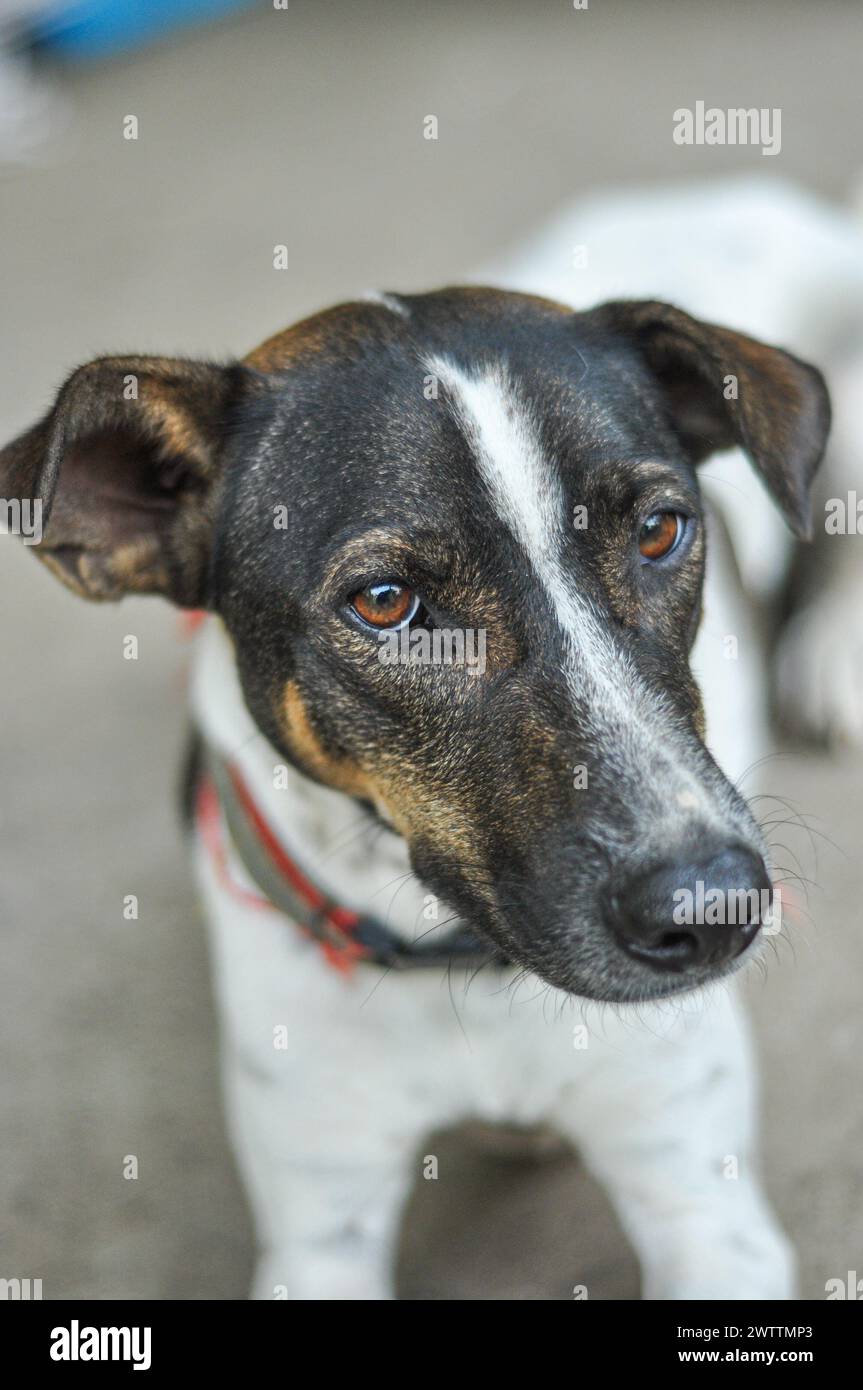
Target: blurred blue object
[{"x": 98, "y": 28}]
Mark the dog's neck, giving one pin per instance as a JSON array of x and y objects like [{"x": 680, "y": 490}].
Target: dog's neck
[{"x": 341, "y": 845}]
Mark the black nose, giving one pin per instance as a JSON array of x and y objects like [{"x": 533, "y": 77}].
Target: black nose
[{"x": 681, "y": 914}]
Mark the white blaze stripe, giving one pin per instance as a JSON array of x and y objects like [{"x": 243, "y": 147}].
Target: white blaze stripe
[
  {"x": 387, "y": 301},
  {"x": 529, "y": 499}
]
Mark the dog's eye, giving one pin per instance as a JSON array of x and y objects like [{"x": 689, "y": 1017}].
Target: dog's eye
[
  {"x": 660, "y": 534},
  {"x": 387, "y": 604}
]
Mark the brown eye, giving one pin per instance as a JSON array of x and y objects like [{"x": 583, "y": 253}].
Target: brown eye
[
  {"x": 660, "y": 534},
  {"x": 385, "y": 605}
]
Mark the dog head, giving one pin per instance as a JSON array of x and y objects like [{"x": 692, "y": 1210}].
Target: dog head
[{"x": 457, "y": 541}]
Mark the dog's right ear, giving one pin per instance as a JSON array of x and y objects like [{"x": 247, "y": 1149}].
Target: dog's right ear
[
  {"x": 723, "y": 388},
  {"x": 127, "y": 466}
]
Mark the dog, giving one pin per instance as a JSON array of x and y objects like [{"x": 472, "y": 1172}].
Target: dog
[{"x": 442, "y": 889}]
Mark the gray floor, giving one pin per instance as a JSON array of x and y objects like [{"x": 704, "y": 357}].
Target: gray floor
[{"x": 305, "y": 127}]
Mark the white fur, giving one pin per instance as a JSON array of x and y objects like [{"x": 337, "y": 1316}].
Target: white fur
[
  {"x": 529, "y": 500},
  {"x": 388, "y": 301},
  {"x": 330, "y": 1130}
]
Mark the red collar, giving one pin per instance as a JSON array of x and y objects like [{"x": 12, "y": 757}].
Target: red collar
[{"x": 226, "y": 808}]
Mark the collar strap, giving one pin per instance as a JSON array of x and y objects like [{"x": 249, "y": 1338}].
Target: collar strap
[{"x": 346, "y": 937}]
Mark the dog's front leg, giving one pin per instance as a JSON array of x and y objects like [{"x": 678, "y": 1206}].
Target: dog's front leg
[
  {"x": 669, "y": 1134},
  {"x": 323, "y": 1128},
  {"x": 327, "y": 1214},
  {"x": 336, "y": 1238}
]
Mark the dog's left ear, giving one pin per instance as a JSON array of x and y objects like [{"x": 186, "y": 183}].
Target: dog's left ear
[
  {"x": 127, "y": 466},
  {"x": 725, "y": 389}
]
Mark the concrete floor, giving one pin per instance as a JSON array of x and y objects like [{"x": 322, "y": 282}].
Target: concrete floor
[{"x": 305, "y": 127}]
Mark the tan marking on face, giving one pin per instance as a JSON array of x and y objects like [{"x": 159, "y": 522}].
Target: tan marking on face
[
  {"x": 339, "y": 773},
  {"x": 337, "y": 331},
  {"x": 331, "y": 334},
  {"x": 477, "y": 298},
  {"x": 404, "y": 799}
]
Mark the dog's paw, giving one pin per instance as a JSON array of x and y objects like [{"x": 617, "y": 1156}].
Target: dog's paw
[
  {"x": 318, "y": 1276},
  {"x": 753, "y": 1265},
  {"x": 818, "y": 670}
]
